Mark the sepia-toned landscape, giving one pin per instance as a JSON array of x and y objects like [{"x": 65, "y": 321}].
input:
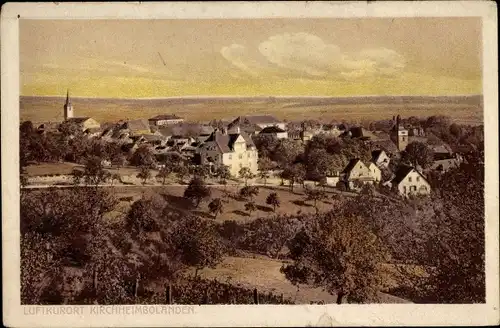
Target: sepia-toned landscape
[{"x": 280, "y": 161}]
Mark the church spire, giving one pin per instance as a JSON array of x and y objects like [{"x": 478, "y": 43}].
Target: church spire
[{"x": 68, "y": 108}]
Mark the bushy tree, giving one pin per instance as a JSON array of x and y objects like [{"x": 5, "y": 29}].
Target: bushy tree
[
  {"x": 216, "y": 207},
  {"x": 249, "y": 192},
  {"x": 144, "y": 174},
  {"x": 341, "y": 255},
  {"x": 273, "y": 200},
  {"x": 198, "y": 243},
  {"x": 246, "y": 174},
  {"x": 143, "y": 156},
  {"x": 163, "y": 173},
  {"x": 197, "y": 191},
  {"x": 314, "y": 195},
  {"x": 250, "y": 207},
  {"x": 270, "y": 235},
  {"x": 418, "y": 153}
]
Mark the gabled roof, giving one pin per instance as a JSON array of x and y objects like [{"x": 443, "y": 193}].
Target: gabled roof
[
  {"x": 352, "y": 163},
  {"x": 387, "y": 145},
  {"x": 137, "y": 125},
  {"x": 251, "y": 121},
  {"x": 225, "y": 142},
  {"x": 376, "y": 154},
  {"x": 165, "y": 117},
  {"x": 77, "y": 120},
  {"x": 272, "y": 129},
  {"x": 401, "y": 173}
]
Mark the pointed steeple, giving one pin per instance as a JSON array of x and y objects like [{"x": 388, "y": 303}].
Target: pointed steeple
[
  {"x": 68, "y": 101},
  {"x": 68, "y": 108}
]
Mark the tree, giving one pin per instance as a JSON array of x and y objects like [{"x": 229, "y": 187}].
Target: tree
[
  {"x": 455, "y": 236},
  {"x": 197, "y": 242},
  {"x": 93, "y": 174},
  {"x": 270, "y": 235},
  {"x": 197, "y": 191},
  {"x": 246, "y": 174},
  {"x": 250, "y": 207},
  {"x": 340, "y": 254},
  {"x": 144, "y": 215},
  {"x": 115, "y": 177},
  {"x": 182, "y": 171},
  {"x": 216, "y": 207},
  {"x": 144, "y": 174},
  {"x": 273, "y": 200},
  {"x": 265, "y": 164},
  {"x": 163, "y": 174},
  {"x": 417, "y": 153},
  {"x": 223, "y": 174},
  {"x": 264, "y": 175},
  {"x": 143, "y": 156},
  {"x": 249, "y": 192},
  {"x": 315, "y": 195}
]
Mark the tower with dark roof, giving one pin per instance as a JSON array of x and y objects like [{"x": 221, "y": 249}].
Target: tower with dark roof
[
  {"x": 399, "y": 135},
  {"x": 68, "y": 107}
]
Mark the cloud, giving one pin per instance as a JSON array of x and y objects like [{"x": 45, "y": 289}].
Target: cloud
[
  {"x": 237, "y": 55},
  {"x": 301, "y": 52},
  {"x": 307, "y": 54}
]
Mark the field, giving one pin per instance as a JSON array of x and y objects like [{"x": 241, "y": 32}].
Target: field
[
  {"x": 463, "y": 109},
  {"x": 291, "y": 202}
]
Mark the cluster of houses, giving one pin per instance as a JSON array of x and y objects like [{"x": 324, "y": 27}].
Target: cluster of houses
[{"x": 233, "y": 146}]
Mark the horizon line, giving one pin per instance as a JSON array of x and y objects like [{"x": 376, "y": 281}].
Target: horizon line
[{"x": 256, "y": 96}]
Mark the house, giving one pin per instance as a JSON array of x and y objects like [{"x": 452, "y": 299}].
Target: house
[
  {"x": 168, "y": 119},
  {"x": 93, "y": 132},
  {"x": 136, "y": 127},
  {"x": 380, "y": 158},
  {"x": 444, "y": 165},
  {"x": 274, "y": 131},
  {"x": 235, "y": 150},
  {"x": 409, "y": 181},
  {"x": 356, "y": 172},
  {"x": 375, "y": 172},
  {"x": 442, "y": 151},
  {"x": 84, "y": 123},
  {"x": 262, "y": 121}
]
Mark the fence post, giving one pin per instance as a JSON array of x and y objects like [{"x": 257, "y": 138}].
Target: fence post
[
  {"x": 255, "y": 296},
  {"x": 136, "y": 286},
  {"x": 205, "y": 297},
  {"x": 168, "y": 294},
  {"x": 282, "y": 298}
]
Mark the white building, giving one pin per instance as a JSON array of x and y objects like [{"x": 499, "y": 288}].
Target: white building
[
  {"x": 260, "y": 121},
  {"x": 408, "y": 181},
  {"x": 275, "y": 132},
  {"x": 375, "y": 172},
  {"x": 235, "y": 150},
  {"x": 165, "y": 120},
  {"x": 380, "y": 158}
]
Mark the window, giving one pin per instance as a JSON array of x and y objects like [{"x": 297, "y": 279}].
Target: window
[
  {"x": 418, "y": 179},
  {"x": 241, "y": 165},
  {"x": 409, "y": 179},
  {"x": 240, "y": 156},
  {"x": 230, "y": 156},
  {"x": 413, "y": 188}
]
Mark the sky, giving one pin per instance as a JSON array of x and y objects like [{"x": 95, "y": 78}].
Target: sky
[{"x": 296, "y": 57}]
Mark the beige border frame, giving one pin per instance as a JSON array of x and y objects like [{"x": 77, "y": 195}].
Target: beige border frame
[{"x": 261, "y": 315}]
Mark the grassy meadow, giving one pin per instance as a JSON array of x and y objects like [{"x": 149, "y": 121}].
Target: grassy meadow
[{"x": 466, "y": 109}]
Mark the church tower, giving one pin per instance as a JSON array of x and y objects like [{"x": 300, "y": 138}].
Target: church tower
[
  {"x": 399, "y": 135},
  {"x": 68, "y": 107}
]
